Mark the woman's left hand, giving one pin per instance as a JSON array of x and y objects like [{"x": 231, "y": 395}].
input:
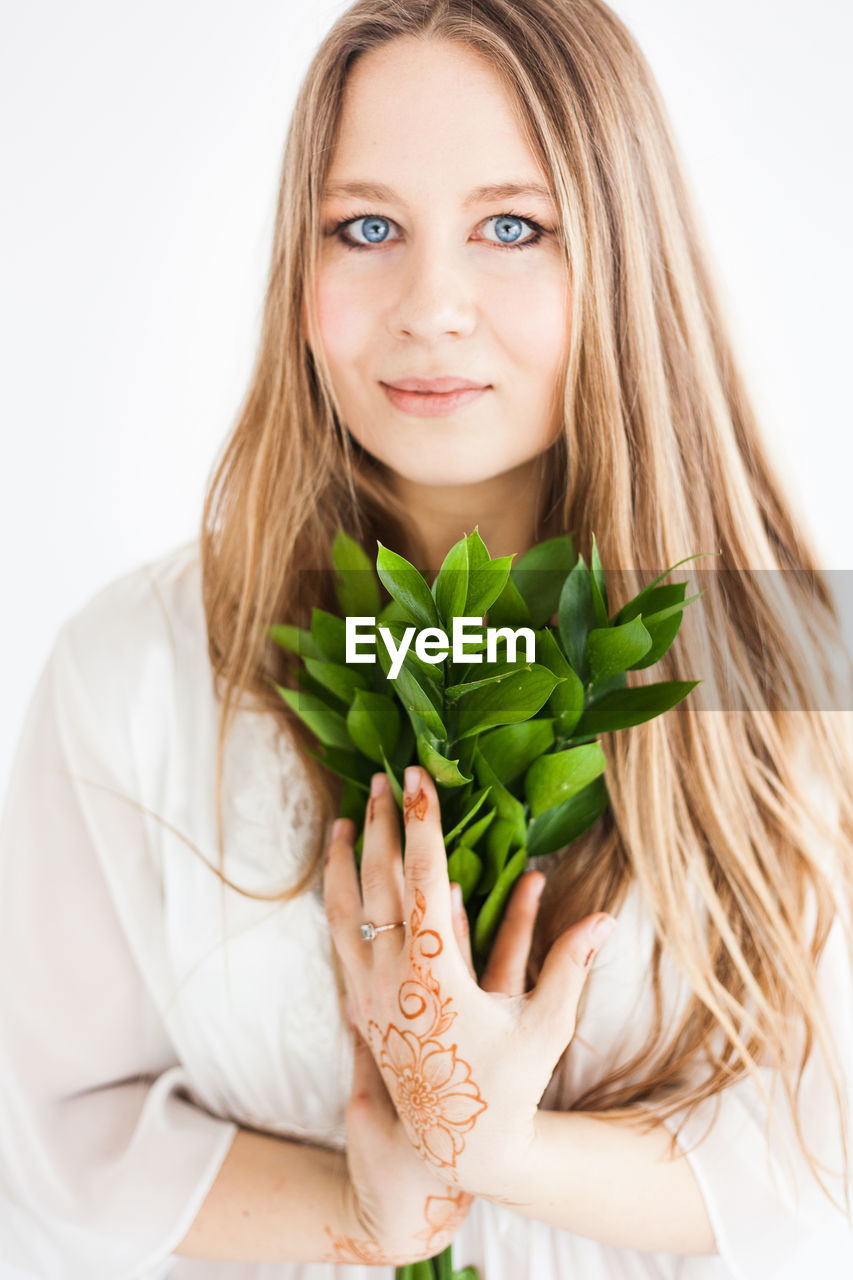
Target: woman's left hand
[{"x": 465, "y": 1067}]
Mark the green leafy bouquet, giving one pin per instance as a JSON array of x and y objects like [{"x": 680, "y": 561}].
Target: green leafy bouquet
[{"x": 512, "y": 745}]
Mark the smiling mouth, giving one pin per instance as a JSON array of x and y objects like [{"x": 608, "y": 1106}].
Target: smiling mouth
[{"x": 431, "y": 403}]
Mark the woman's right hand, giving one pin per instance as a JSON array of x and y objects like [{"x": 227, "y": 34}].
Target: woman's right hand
[{"x": 398, "y": 1210}]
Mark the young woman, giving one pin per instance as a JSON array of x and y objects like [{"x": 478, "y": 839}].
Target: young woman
[{"x": 487, "y": 305}]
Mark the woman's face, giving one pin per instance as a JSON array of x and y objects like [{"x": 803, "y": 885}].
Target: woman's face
[{"x": 442, "y": 297}]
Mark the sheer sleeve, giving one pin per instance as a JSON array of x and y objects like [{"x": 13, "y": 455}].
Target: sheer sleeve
[
  {"x": 104, "y": 1158},
  {"x": 769, "y": 1215}
]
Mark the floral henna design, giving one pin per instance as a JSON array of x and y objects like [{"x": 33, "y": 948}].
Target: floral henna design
[
  {"x": 415, "y": 805},
  {"x": 347, "y": 1249},
  {"x": 443, "y": 1214},
  {"x": 430, "y": 1084}
]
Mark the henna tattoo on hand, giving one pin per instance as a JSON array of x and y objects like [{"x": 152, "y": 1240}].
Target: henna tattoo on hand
[
  {"x": 415, "y": 805},
  {"x": 443, "y": 1215},
  {"x": 348, "y": 1249},
  {"x": 431, "y": 1086}
]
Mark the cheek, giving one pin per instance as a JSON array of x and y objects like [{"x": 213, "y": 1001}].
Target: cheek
[
  {"x": 532, "y": 315},
  {"x": 342, "y": 317}
]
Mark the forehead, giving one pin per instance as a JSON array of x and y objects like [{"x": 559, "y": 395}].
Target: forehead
[{"x": 425, "y": 113}]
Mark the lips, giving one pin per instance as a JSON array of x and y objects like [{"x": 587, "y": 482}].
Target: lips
[
  {"x": 433, "y": 397},
  {"x": 432, "y": 386}
]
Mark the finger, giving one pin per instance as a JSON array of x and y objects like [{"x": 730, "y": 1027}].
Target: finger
[
  {"x": 461, "y": 927},
  {"x": 341, "y": 892},
  {"x": 553, "y": 1003},
  {"x": 506, "y": 970},
  {"x": 382, "y": 866},
  {"x": 426, "y": 885}
]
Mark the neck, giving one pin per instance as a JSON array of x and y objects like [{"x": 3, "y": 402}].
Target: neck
[{"x": 505, "y": 509}]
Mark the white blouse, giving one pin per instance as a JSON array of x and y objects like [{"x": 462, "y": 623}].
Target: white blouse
[{"x": 134, "y": 1042}]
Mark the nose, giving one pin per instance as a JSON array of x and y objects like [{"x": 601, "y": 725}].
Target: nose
[{"x": 434, "y": 297}]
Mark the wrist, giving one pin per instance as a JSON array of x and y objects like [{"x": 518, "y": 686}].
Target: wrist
[
  {"x": 505, "y": 1177},
  {"x": 357, "y": 1237}
]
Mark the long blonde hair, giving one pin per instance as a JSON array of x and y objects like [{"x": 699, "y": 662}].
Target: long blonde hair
[{"x": 712, "y": 816}]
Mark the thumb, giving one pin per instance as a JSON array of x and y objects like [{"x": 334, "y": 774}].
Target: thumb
[{"x": 552, "y": 1005}]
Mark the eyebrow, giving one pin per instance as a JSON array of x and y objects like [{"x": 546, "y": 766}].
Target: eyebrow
[{"x": 492, "y": 191}]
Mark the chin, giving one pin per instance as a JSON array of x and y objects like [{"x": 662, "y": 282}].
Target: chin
[{"x": 435, "y": 461}]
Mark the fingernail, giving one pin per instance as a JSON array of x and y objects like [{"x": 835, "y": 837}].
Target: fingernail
[
  {"x": 412, "y": 778},
  {"x": 339, "y": 829},
  {"x": 378, "y": 784},
  {"x": 456, "y": 894},
  {"x": 601, "y": 931}
]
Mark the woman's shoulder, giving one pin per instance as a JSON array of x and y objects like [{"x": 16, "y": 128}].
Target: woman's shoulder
[{"x": 146, "y": 615}]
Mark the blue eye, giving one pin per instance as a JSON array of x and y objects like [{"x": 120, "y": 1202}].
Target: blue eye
[
  {"x": 510, "y": 229},
  {"x": 374, "y": 229},
  {"x": 365, "y": 230}
]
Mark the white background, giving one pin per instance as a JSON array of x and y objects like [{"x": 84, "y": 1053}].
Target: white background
[{"x": 140, "y": 156}]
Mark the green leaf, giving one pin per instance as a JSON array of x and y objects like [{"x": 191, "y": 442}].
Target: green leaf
[
  {"x": 467, "y": 816},
  {"x": 464, "y": 867},
  {"x": 486, "y": 577},
  {"x": 454, "y": 692},
  {"x": 396, "y": 789},
  {"x": 422, "y": 670},
  {"x": 599, "y": 587},
  {"x": 407, "y": 586},
  {"x": 510, "y": 609},
  {"x": 417, "y": 699},
  {"x": 450, "y": 588},
  {"x": 330, "y": 635},
  {"x": 473, "y": 833},
  {"x": 347, "y": 764},
  {"x": 554, "y": 778},
  {"x": 393, "y": 611},
  {"x": 626, "y": 707},
  {"x": 404, "y": 752},
  {"x": 373, "y": 722},
  {"x": 566, "y": 702},
  {"x": 549, "y": 653},
  {"x": 327, "y": 725},
  {"x": 307, "y": 683},
  {"x": 341, "y": 681},
  {"x": 445, "y": 771},
  {"x": 295, "y": 639},
  {"x": 663, "y": 628},
  {"x": 517, "y": 697},
  {"x": 356, "y": 586},
  {"x": 502, "y": 801},
  {"x": 652, "y": 600},
  {"x": 640, "y": 601},
  {"x": 500, "y": 837},
  {"x": 353, "y": 805},
  {"x": 613, "y": 649},
  {"x": 492, "y": 909},
  {"x": 662, "y": 635},
  {"x": 576, "y": 616},
  {"x": 539, "y": 575},
  {"x": 558, "y": 827},
  {"x": 512, "y": 748}
]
